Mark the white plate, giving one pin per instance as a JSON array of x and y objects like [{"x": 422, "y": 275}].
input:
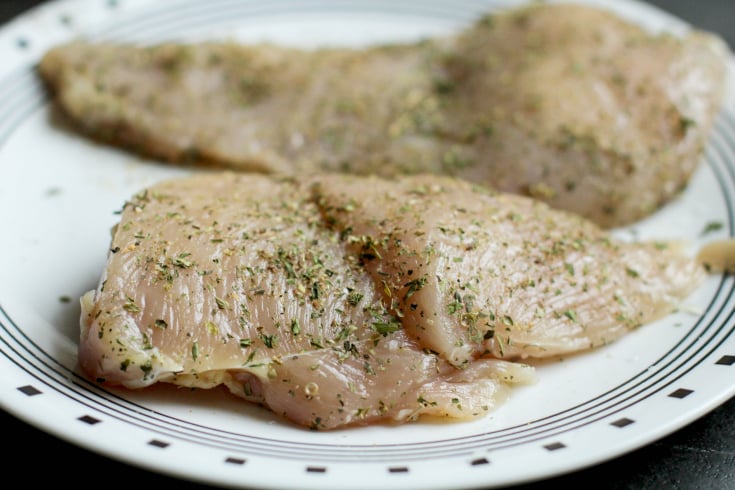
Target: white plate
[{"x": 58, "y": 196}]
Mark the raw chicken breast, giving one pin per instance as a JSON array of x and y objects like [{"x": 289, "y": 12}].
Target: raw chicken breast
[
  {"x": 567, "y": 103},
  {"x": 342, "y": 300}
]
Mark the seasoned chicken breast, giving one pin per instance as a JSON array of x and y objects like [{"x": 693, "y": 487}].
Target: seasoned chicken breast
[
  {"x": 567, "y": 103},
  {"x": 341, "y": 300}
]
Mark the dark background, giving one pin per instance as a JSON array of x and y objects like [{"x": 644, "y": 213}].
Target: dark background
[{"x": 700, "y": 456}]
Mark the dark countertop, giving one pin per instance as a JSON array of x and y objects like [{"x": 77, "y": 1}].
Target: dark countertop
[{"x": 699, "y": 456}]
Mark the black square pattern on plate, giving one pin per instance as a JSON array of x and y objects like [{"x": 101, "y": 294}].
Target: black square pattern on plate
[
  {"x": 554, "y": 446},
  {"x": 29, "y": 390},
  {"x": 681, "y": 393},
  {"x": 88, "y": 419},
  {"x": 624, "y": 422},
  {"x": 726, "y": 360},
  {"x": 233, "y": 460}
]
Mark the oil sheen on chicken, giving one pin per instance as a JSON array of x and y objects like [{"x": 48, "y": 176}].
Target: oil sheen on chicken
[
  {"x": 567, "y": 103},
  {"x": 343, "y": 300}
]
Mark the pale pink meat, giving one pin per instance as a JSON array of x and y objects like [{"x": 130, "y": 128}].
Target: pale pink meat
[
  {"x": 567, "y": 103},
  {"x": 342, "y": 300}
]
